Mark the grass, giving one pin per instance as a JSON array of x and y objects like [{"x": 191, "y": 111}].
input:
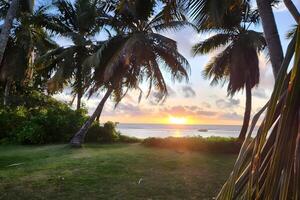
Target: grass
[{"x": 119, "y": 171}]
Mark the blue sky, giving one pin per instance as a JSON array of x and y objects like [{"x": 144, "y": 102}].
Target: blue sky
[{"x": 196, "y": 100}]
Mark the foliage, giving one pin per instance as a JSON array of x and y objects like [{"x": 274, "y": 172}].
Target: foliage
[
  {"x": 210, "y": 144},
  {"x": 107, "y": 134},
  {"x": 27, "y": 41},
  {"x": 119, "y": 64},
  {"x": 43, "y": 121},
  {"x": 79, "y": 21},
  {"x": 238, "y": 62}
]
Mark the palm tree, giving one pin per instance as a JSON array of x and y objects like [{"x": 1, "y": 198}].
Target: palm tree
[
  {"x": 268, "y": 165},
  {"x": 238, "y": 62},
  {"x": 27, "y": 41},
  {"x": 79, "y": 21},
  {"x": 11, "y": 11},
  {"x": 133, "y": 56}
]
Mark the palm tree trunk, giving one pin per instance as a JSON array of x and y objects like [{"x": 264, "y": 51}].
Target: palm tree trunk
[
  {"x": 247, "y": 114},
  {"x": 4, "y": 36},
  {"x": 78, "y": 138},
  {"x": 293, "y": 10},
  {"x": 6, "y": 92},
  {"x": 79, "y": 96},
  {"x": 271, "y": 34},
  {"x": 79, "y": 87},
  {"x": 98, "y": 118}
]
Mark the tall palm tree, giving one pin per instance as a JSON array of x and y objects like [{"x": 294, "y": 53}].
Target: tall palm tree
[
  {"x": 268, "y": 165},
  {"x": 27, "y": 41},
  {"x": 11, "y": 11},
  {"x": 238, "y": 62},
  {"x": 135, "y": 55},
  {"x": 79, "y": 21}
]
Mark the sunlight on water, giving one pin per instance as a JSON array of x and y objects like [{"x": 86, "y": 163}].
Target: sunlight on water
[
  {"x": 177, "y": 133},
  {"x": 176, "y": 130}
]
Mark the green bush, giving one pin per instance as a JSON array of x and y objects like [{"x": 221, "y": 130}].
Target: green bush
[
  {"x": 128, "y": 139},
  {"x": 107, "y": 134},
  {"x": 49, "y": 121},
  {"x": 43, "y": 120}
]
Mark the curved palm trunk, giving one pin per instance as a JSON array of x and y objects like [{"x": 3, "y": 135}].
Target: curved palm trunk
[
  {"x": 98, "y": 118},
  {"x": 271, "y": 34},
  {"x": 247, "y": 114},
  {"x": 78, "y": 138},
  {"x": 11, "y": 14}
]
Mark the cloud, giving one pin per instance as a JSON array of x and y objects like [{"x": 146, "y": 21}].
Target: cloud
[
  {"x": 194, "y": 111},
  {"x": 130, "y": 109},
  {"x": 171, "y": 92},
  {"x": 206, "y": 113},
  {"x": 206, "y": 105},
  {"x": 260, "y": 93},
  {"x": 188, "y": 91},
  {"x": 126, "y": 109},
  {"x": 231, "y": 116},
  {"x": 266, "y": 73},
  {"x": 230, "y": 103},
  {"x": 197, "y": 112},
  {"x": 155, "y": 96}
]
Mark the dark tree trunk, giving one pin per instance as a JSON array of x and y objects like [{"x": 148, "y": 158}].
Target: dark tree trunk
[
  {"x": 293, "y": 10},
  {"x": 79, "y": 87},
  {"x": 271, "y": 34},
  {"x": 79, "y": 97},
  {"x": 98, "y": 118},
  {"x": 6, "y": 92},
  {"x": 4, "y": 36},
  {"x": 247, "y": 114},
  {"x": 78, "y": 138}
]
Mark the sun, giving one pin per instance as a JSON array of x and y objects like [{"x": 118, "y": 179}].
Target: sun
[{"x": 177, "y": 120}]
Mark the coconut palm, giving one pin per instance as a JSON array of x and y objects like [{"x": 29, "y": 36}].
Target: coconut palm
[
  {"x": 268, "y": 165},
  {"x": 11, "y": 11},
  {"x": 238, "y": 62},
  {"x": 135, "y": 55},
  {"x": 27, "y": 41},
  {"x": 79, "y": 21}
]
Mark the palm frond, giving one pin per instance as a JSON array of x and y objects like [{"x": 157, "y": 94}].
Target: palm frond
[
  {"x": 217, "y": 70},
  {"x": 212, "y": 43}
]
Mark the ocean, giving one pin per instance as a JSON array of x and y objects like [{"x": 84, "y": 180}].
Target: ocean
[{"x": 166, "y": 130}]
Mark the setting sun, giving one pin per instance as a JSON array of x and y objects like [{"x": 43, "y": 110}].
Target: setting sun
[{"x": 177, "y": 120}]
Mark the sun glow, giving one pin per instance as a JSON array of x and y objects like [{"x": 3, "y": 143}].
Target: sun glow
[{"x": 177, "y": 120}]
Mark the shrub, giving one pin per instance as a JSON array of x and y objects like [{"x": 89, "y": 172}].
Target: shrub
[
  {"x": 43, "y": 120},
  {"x": 107, "y": 134},
  {"x": 49, "y": 121},
  {"x": 128, "y": 139}
]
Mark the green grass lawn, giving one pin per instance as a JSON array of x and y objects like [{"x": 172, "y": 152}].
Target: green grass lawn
[{"x": 120, "y": 171}]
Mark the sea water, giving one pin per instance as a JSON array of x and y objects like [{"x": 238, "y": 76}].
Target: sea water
[{"x": 166, "y": 130}]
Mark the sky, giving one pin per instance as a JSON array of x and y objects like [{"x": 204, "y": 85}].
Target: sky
[{"x": 193, "y": 102}]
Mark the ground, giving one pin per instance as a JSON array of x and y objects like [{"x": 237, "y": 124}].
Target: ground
[{"x": 119, "y": 171}]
